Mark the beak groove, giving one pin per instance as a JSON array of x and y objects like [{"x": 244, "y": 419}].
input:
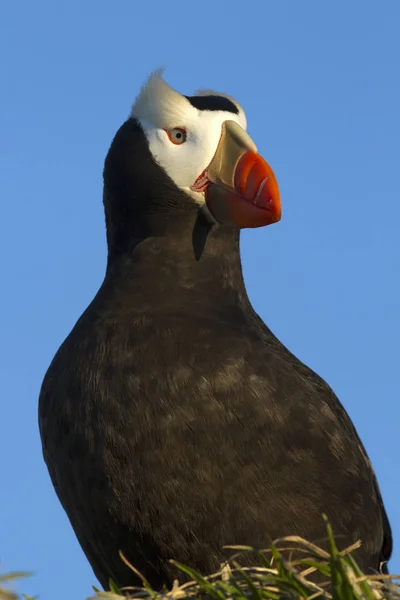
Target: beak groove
[{"x": 255, "y": 182}]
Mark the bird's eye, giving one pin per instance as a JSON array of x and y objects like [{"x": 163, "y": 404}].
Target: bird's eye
[{"x": 177, "y": 135}]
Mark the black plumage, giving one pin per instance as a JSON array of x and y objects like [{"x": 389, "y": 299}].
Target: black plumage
[
  {"x": 212, "y": 102},
  {"x": 173, "y": 421}
]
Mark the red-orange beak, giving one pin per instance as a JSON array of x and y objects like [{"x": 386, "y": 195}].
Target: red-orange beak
[{"x": 240, "y": 186}]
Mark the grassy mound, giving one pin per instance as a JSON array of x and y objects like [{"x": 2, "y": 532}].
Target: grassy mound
[{"x": 278, "y": 576}]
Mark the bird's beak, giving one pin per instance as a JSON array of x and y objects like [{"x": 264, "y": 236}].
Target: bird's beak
[{"x": 240, "y": 186}]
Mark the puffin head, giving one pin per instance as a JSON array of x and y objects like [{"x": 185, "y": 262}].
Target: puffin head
[{"x": 180, "y": 153}]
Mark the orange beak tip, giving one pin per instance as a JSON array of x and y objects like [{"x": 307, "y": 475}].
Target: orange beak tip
[
  {"x": 228, "y": 207},
  {"x": 255, "y": 201}
]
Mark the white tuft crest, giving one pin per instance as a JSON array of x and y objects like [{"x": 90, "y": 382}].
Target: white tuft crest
[{"x": 158, "y": 103}]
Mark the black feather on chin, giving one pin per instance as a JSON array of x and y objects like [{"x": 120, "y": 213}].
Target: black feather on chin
[{"x": 201, "y": 229}]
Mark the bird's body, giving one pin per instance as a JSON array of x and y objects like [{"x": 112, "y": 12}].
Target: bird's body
[{"x": 173, "y": 421}]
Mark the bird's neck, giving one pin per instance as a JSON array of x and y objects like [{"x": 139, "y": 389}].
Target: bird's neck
[{"x": 186, "y": 266}]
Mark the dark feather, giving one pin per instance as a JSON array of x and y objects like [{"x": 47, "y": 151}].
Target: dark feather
[{"x": 173, "y": 421}]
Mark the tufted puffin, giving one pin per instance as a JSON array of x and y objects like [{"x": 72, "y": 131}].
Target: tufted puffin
[{"x": 173, "y": 422}]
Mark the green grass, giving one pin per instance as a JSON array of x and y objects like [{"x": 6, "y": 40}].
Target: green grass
[
  {"x": 6, "y": 580},
  {"x": 278, "y": 576}
]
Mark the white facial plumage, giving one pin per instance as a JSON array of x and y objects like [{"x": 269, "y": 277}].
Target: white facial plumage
[{"x": 159, "y": 108}]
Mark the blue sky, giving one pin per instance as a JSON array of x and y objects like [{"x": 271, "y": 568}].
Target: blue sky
[{"x": 320, "y": 85}]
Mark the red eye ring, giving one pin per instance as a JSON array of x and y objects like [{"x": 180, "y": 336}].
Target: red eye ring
[{"x": 177, "y": 135}]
